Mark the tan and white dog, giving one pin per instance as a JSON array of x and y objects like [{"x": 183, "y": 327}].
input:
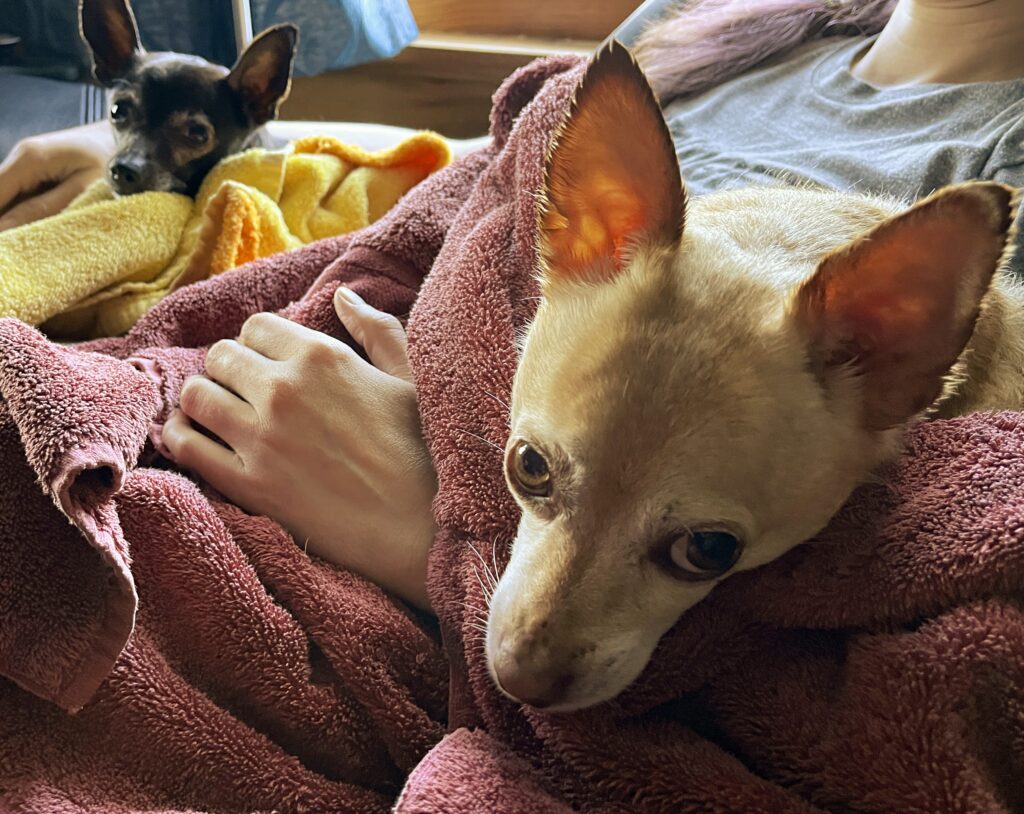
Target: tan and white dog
[{"x": 707, "y": 381}]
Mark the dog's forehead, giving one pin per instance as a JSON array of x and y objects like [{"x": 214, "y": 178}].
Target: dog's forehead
[
  {"x": 645, "y": 346},
  {"x": 174, "y": 82},
  {"x": 690, "y": 353},
  {"x": 669, "y": 371},
  {"x": 169, "y": 60}
]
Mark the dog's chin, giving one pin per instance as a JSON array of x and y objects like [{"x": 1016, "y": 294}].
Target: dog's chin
[
  {"x": 591, "y": 686},
  {"x": 595, "y": 692},
  {"x": 575, "y": 704}
]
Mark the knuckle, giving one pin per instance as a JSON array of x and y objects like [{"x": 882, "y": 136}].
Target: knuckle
[
  {"x": 183, "y": 446},
  {"x": 192, "y": 395},
  {"x": 218, "y": 353},
  {"x": 323, "y": 351},
  {"x": 257, "y": 325},
  {"x": 177, "y": 442},
  {"x": 280, "y": 393},
  {"x": 261, "y": 321},
  {"x": 386, "y": 323}
]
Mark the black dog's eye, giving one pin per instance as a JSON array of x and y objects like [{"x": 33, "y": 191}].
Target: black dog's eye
[
  {"x": 198, "y": 133},
  {"x": 529, "y": 471},
  {"x": 704, "y": 554},
  {"x": 119, "y": 110}
]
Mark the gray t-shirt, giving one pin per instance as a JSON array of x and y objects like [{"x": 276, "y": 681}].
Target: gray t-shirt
[{"x": 807, "y": 118}]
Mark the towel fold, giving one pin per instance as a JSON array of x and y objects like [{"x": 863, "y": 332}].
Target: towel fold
[
  {"x": 95, "y": 268},
  {"x": 164, "y": 650},
  {"x": 212, "y": 666},
  {"x": 878, "y": 668}
]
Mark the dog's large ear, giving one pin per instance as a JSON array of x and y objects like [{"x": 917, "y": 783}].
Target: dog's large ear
[
  {"x": 108, "y": 28},
  {"x": 263, "y": 73},
  {"x": 898, "y": 306},
  {"x": 612, "y": 182}
]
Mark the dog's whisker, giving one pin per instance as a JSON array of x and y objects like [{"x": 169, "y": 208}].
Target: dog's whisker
[
  {"x": 494, "y": 559},
  {"x": 483, "y": 587},
  {"x": 471, "y": 607},
  {"x": 481, "y": 438},
  {"x": 492, "y": 576},
  {"x": 474, "y": 614},
  {"x": 487, "y": 590},
  {"x": 500, "y": 401},
  {"x": 476, "y": 551}
]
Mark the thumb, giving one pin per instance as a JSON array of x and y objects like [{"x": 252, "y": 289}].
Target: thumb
[{"x": 380, "y": 334}]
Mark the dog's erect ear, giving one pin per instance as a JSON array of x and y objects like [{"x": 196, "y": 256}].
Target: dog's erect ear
[
  {"x": 263, "y": 73},
  {"x": 899, "y": 304},
  {"x": 612, "y": 179},
  {"x": 108, "y": 28}
]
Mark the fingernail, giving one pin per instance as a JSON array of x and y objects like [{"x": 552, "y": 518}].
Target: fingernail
[{"x": 349, "y": 296}]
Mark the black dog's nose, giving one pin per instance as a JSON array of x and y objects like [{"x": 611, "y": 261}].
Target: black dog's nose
[{"x": 127, "y": 175}]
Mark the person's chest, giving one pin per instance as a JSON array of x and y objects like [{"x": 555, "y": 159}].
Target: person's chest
[{"x": 808, "y": 120}]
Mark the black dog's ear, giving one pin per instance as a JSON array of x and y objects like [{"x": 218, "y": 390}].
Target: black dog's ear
[
  {"x": 108, "y": 28},
  {"x": 263, "y": 72}
]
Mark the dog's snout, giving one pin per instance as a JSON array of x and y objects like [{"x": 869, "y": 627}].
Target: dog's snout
[
  {"x": 128, "y": 174},
  {"x": 125, "y": 172},
  {"x": 529, "y": 670}
]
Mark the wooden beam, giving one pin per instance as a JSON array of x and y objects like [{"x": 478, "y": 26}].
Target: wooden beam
[
  {"x": 444, "y": 81},
  {"x": 441, "y": 82},
  {"x": 588, "y": 20}
]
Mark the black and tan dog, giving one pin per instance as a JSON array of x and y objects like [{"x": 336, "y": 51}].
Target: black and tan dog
[{"x": 174, "y": 115}]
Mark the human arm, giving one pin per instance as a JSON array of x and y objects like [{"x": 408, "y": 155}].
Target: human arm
[
  {"x": 327, "y": 444},
  {"x": 44, "y": 173}
]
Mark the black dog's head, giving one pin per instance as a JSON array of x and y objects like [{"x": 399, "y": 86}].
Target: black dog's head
[{"x": 175, "y": 116}]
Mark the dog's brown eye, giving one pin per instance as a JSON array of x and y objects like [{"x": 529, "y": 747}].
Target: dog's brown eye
[
  {"x": 198, "y": 133},
  {"x": 529, "y": 471},
  {"x": 702, "y": 555},
  {"x": 119, "y": 111}
]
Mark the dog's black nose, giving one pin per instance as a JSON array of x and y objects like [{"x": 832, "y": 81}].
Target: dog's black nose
[{"x": 127, "y": 175}]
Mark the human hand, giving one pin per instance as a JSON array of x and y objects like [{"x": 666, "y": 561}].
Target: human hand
[
  {"x": 322, "y": 441},
  {"x": 44, "y": 173}
]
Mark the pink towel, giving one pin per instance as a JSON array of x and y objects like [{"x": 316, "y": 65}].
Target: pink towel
[
  {"x": 879, "y": 669},
  {"x": 209, "y": 663}
]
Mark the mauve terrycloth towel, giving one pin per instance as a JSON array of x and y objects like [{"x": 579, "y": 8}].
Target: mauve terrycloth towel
[
  {"x": 212, "y": 665},
  {"x": 880, "y": 669}
]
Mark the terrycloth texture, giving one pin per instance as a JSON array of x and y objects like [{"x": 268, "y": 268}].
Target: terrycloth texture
[
  {"x": 212, "y": 664},
  {"x": 95, "y": 268},
  {"x": 879, "y": 669}
]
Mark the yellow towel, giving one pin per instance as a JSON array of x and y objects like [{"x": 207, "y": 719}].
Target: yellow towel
[{"x": 95, "y": 268}]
